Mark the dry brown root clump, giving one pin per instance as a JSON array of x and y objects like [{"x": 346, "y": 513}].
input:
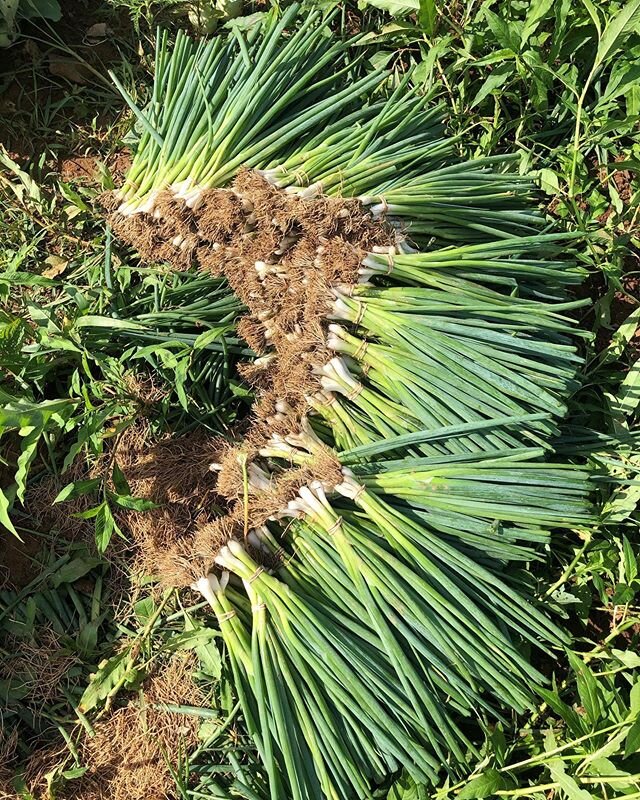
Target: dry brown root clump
[
  {"x": 175, "y": 473},
  {"x": 8, "y": 757},
  {"x": 282, "y": 254},
  {"x": 39, "y": 669},
  {"x": 133, "y": 750}
]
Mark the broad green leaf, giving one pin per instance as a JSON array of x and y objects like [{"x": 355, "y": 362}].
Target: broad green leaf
[
  {"x": 569, "y": 715},
  {"x": 28, "y": 450},
  {"x": 204, "y": 339},
  {"x": 78, "y": 489},
  {"x": 628, "y": 395},
  {"x": 622, "y": 594},
  {"x": 405, "y": 788},
  {"x": 427, "y": 16},
  {"x": 622, "y": 503},
  {"x": 538, "y": 9},
  {"x": 104, "y": 527},
  {"x": 95, "y": 321},
  {"x": 634, "y": 695},
  {"x": 205, "y": 648},
  {"x": 484, "y": 785},
  {"x": 632, "y": 742},
  {"x": 111, "y": 675},
  {"x": 43, "y": 9},
  {"x": 507, "y": 33},
  {"x": 548, "y": 181},
  {"x": 617, "y": 30},
  {"x": 119, "y": 480},
  {"x": 588, "y": 689},
  {"x": 568, "y": 784},
  {"x": 24, "y": 413},
  {"x": 90, "y": 513},
  {"x": 397, "y": 8},
  {"x": 623, "y": 76},
  {"x": 87, "y": 638},
  {"x": 629, "y": 559},
  {"x": 132, "y": 503},
  {"x": 74, "y": 569},
  {"x": 8, "y": 11},
  {"x": 595, "y": 16},
  {"x": 26, "y": 181},
  {"x": 496, "y": 79},
  {"x": 6, "y": 500},
  {"x": 623, "y": 335},
  {"x": 144, "y": 610}
]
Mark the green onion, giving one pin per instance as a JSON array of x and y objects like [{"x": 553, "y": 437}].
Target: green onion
[{"x": 389, "y": 505}]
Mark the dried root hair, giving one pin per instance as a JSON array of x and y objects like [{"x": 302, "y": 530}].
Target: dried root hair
[
  {"x": 134, "y": 748},
  {"x": 40, "y": 667},
  {"x": 174, "y": 469},
  {"x": 281, "y": 254}
]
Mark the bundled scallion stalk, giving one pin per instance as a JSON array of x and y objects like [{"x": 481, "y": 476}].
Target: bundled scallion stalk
[{"x": 415, "y": 350}]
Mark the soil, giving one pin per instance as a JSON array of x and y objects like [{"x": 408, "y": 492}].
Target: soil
[
  {"x": 623, "y": 303},
  {"x": 38, "y": 76},
  {"x": 623, "y": 182},
  {"x": 16, "y": 559},
  {"x": 85, "y": 169}
]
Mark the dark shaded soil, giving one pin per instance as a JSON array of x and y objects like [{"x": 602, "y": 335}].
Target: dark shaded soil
[
  {"x": 46, "y": 91},
  {"x": 624, "y": 301},
  {"x": 16, "y": 559}
]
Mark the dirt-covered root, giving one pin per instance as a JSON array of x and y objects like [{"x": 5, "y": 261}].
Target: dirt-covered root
[{"x": 282, "y": 254}]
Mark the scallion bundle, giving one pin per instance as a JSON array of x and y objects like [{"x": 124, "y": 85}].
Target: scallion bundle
[{"x": 415, "y": 351}]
